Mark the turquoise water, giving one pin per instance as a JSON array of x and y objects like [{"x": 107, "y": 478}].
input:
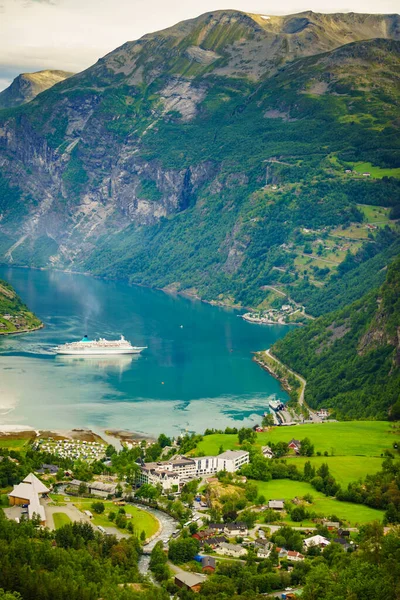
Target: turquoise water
[{"x": 197, "y": 371}]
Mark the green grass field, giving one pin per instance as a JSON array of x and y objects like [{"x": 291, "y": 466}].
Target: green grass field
[
  {"x": 13, "y": 444},
  {"x": 141, "y": 520},
  {"x": 374, "y": 214},
  {"x": 345, "y": 469},
  {"x": 286, "y": 489},
  {"x": 376, "y": 172},
  {"x": 344, "y": 438},
  {"x": 60, "y": 519}
]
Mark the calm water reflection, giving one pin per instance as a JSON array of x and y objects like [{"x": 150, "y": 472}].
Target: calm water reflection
[{"x": 196, "y": 372}]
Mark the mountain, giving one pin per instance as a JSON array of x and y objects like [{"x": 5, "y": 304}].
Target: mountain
[
  {"x": 222, "y": 157},
  {"x": 14, "y": 315},
  {"x": 351, "y": 358},
  {"x": 27, "y": 86}
]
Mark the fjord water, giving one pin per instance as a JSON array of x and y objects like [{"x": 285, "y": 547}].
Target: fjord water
[{"x": 197, "y": 371}]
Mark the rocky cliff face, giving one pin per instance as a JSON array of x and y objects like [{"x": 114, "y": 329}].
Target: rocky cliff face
[
  {"x": 165, "y": 137},
  {"x": 27, "y": 86}
]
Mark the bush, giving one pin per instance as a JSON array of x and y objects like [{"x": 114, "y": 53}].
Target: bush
[{"x": 98, "y": 507}]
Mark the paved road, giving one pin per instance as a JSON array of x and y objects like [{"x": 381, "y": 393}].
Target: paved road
[{"x": 313, "y": 416}]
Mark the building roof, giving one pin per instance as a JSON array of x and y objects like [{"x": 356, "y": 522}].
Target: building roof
[
  {"x": 219, "y": 526},
  {"x": 231, "y": 547},
  {"x": 190, "y": 579},
  {"x": 276, "y": 504},
  {"x": 40, "y": 488},
  {"x": 76, "y": 482},
  {"x": 102, "y": 487},
  {"x": 181, "y": 460},
  {"x": 237, "y": 525},
  {"x": 22, "y": 490},
  {"x": 295, "y": 554},
  {"x": 29, "y": 490},
  {"x": 232, "y": 454},
  {"x": 293, "y": 441},
  {"x": 316, "y": 540},
  {"x": 208, "y": 561}
]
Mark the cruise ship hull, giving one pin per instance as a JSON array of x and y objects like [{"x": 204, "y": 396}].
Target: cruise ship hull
[{"x": 98, "y": 351}]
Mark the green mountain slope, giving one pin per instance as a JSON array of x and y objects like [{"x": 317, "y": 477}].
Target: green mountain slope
[
  {"x": 351, "y": 358},
  {"x": 219, "y": 157},
  {"x": 27, "y": 86},
  {"x": 14, "y": 314}
]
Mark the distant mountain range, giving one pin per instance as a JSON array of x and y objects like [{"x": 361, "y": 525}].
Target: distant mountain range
[
  {"x": 235, "y": 157},
  {"x": 27, "y": 86}
]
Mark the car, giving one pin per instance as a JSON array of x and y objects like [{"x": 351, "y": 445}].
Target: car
[
  {"x": 25, "y": 505},
  {"x": 100, "y": 528}
]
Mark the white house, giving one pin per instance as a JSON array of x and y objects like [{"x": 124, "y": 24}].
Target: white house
[
  {"x": 267, "y": 452},
  {"x": 234, "y": 550},
  {"x": 294, "y": 556},
  {"x": 276, "y": 504},
  {"x": 233, "y": 529},
  {"x": 316, "y": 540}
]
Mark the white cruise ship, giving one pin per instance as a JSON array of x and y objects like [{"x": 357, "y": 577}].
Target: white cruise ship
[{"x": 98, "y": 347}]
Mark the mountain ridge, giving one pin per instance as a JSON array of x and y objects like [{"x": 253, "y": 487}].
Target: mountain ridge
[
  {"x": 167, "y": 169},
  {"x": 26, "y": 86}
]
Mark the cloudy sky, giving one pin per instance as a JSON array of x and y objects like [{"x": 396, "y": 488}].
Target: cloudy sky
[{"x": 73, "y": 34}]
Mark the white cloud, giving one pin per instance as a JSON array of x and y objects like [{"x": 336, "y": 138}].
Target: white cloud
[{"x": 73, "y": 34}]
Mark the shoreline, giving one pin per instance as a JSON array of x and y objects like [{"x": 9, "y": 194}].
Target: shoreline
[
  {"x": 165, "y": 290},
  {"x": 41, "y": 326}
]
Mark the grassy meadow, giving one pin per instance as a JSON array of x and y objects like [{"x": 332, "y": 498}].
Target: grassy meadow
[
  {"x": 376, "y": 172},
  {"x": 141, "y": 519},
  {"x": 344, "y": 469},
  {"x": 344, "y": 438},
  {"x": 286, "y": 489},
  {"x": 60, "y": 519}
]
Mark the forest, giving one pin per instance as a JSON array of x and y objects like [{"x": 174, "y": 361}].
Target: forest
[{"x": 350, "y": 357}]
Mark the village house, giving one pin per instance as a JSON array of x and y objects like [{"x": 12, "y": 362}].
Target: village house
[
  {"x": 295, "y": 445},
  {"x": 208, "y": 564},
  {"x": 189, "y": 581},
  {"x": 30, "y": 492},
  {"x": 322, "y": 413},
  {"x": 282, "y": 552},
  {"x": 294, "y": 556},
  {"x": 233, "y": 529},
  {"x": 276, "y": 504},
  {"x": 343, "y": 532},
  {"x": 331, "y": 525},
  {"x": 216, "y": 526},
  {"x": 267, "y": 452},
  {"x": 345, "y": 544},
  {"x": 50, "y": 469},
  {"x": 263, "y": 550},
  {"x": 316, "y": 540},
  {"x": 234, "y": 550},
  {"x": 213, "y": 542}
]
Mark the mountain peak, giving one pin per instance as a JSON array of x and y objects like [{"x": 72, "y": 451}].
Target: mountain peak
[
  {"x": 233, "y": 43},
  {"x": 27, "y": 86}
]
